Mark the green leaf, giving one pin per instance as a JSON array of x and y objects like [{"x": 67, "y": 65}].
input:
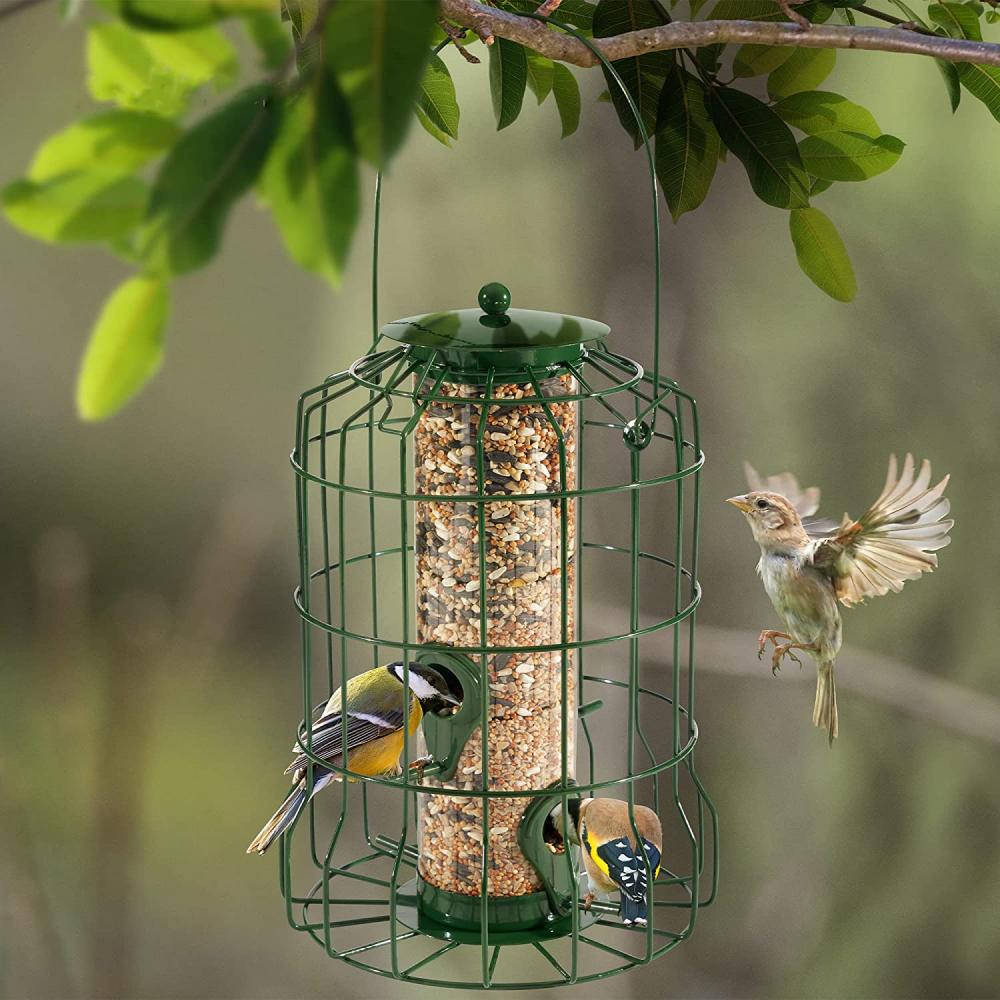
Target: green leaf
[
  {"x": 177, "y": 15},
  {"x": 378, "y": 50},
  {"x": 821, "y": 253},
  {"x": 642, "y": 75},
  {"x": 125, "y": 347},
  {"x": 805, "y": 69},
  {"x": 508, "y": 80},
  {"x": 270, "y": 36},
  {"x": 959, "y": 20},
  {"x": 567, "y": 94},
  {"x": 819, "y": 185},
  {"x": 206, "y": 171},
  {"x": 539, "y": 75},
  {"x": 817, "y": 111},
  {"x": 764, "y": 144},
  {"x": 150, "y": 71},
  {"x": 115, "y": 141},
  {"x": 578, "y": 13},
  {"x": 437, "y": 98},
  {"x": 849, "y": 156},
  {"x": 982, "y": 82},
  {"x": 952, "y": 82},
  {"x": 81, "y": 206},
  {"x": 758, "y": 60},
  {"x": 687, "y": 143},
  {"x": 302, "y": 14},
  {"x": 311, "y": 181}
]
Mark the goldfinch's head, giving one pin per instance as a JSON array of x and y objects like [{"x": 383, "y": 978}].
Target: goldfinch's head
[
  {"x": 552, "y": 831},
  {"x": 429, "y": 686}
]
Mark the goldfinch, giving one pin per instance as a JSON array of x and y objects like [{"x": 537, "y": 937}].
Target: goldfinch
[
  {"x": 611, "y": 855},
  {"x": 375, "y": 718},
  {"x": 808, "y": 567}
]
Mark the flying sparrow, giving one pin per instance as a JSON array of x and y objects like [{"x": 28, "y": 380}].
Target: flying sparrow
[{"x": 808, "y": 566}]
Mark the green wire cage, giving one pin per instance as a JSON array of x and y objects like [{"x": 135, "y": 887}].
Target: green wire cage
[{"x": 462, "y": 491}]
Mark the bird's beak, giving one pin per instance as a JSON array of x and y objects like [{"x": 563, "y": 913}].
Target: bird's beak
[
  {"x": 450, "y": 698},
  {"x": 740, "y": 503}
]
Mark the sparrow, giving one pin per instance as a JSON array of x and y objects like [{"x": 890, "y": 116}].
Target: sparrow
[
  {"x": 809, "y": 567},
  {"x": 611, "y": 855},
  {"x": 375, "y": 718}
]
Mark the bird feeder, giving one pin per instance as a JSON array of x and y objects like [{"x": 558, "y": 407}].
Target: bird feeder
[{"x": 462, "y": 491}]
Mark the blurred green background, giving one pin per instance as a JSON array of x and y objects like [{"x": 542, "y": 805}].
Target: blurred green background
[{"x": 149, "y": 649}]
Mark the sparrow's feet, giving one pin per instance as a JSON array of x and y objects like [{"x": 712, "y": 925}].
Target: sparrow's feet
[
  {"x": 588, "y": 901},
  {"x": 786, "y": 650},
  {"x": 769, "y": 635}
]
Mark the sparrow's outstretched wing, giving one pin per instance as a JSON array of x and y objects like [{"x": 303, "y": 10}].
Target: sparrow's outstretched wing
[
  {"x": 805, "y": 501},
  {"x": 894, "y": 541}
]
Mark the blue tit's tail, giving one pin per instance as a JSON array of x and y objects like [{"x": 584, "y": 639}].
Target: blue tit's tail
[{"x": 287, "y": 814}]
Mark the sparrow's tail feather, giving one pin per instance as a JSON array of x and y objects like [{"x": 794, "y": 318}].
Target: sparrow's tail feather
[
  {"x": 825, "y": 707},
  {"x": 287, "y": 813}
]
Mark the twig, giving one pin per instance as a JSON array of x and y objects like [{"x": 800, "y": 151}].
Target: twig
[
  {"x": 794, "y": 15},
  {"x": 548, "y": 7},
  {"x": 697, "y": 34},
  {"x": 456, "y": 35}
]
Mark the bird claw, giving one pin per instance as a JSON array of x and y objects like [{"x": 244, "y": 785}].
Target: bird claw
[
  {"x": 588, "y": 901},
  {"x": 782, "y": 651}
]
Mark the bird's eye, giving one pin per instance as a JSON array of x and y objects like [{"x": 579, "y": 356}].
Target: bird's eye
[{"x": 761, "y": 505}]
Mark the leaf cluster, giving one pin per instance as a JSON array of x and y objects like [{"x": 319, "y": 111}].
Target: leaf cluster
[{"x": 337, "y": 85}]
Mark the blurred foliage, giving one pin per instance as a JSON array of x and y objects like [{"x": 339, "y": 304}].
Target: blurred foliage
[
  {"x": 339, "y": 85},
  {"x": 868, "y": 871}
]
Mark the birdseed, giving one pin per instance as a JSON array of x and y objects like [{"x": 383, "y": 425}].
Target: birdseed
[{"x": 524, "y": 581}]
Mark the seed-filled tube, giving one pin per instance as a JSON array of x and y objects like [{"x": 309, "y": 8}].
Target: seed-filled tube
[{"x": 527, "y": 580}]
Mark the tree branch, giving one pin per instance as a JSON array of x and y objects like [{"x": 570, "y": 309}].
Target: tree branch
[{"x": 697, "y": 34}]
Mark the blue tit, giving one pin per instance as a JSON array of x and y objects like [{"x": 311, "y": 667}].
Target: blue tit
[
  {"x": 603, "y": 829},
  {"x": 375, "y": 717}
]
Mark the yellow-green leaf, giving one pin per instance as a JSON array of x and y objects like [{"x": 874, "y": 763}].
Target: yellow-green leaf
[
  {"x": 817, "y": 111},
  {"x": 804, "y": 69},
  {"x": 821, "y": 253},
  {"x": 155, "y": 71},
  {"x": 116, "y": 142},
  {"x": 125, "y": 347},
  {"x": 849, "y": 156},
  {"x": 758, "y": 60},
  {"x": 539, "y": 75},
  {"x": 76, "y": 207}
]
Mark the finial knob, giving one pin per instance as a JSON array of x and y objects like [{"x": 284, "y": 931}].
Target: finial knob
[{"x": 494, "y": 298}]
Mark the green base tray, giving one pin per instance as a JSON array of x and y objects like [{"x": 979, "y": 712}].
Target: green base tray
[{"x": 451, "y": 916}]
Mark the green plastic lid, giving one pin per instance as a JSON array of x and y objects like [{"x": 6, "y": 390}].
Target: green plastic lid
[{"x": 495, "y": 336}]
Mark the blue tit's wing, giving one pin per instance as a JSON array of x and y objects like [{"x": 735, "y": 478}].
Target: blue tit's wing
[
  {"x": 895, "y": 540},
  {"x": 626, "y": 869},
  {"x": 327, "y": 735}
]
